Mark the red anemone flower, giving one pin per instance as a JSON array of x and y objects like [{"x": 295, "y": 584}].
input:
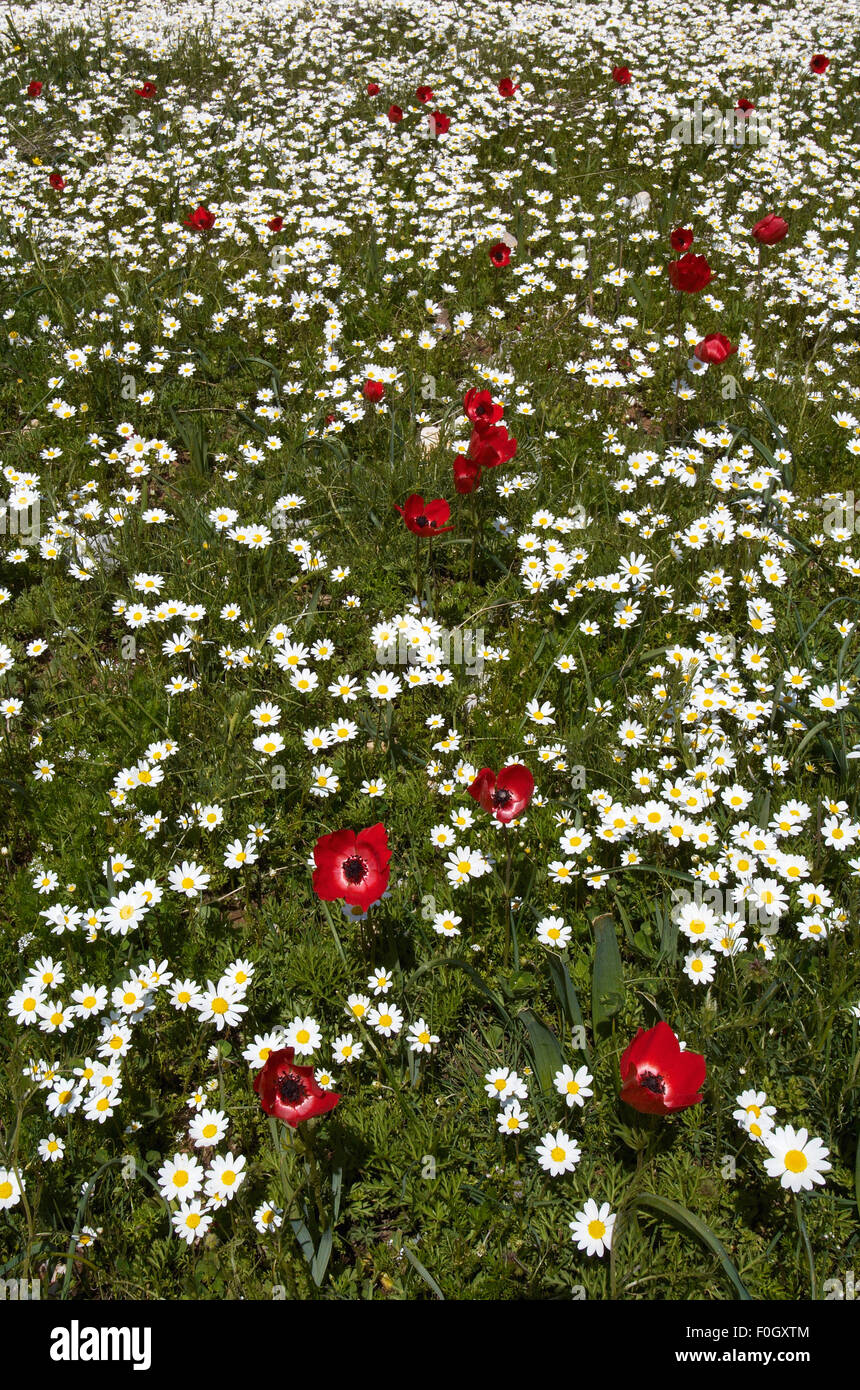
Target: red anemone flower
[
  {"x": 744, "y": 106},
  {"x": 441, "y": 122},
  {"x": 34, "y": 89},
  {"x": 657, "y": 1076},
  {"x": 57, "y": 181},
  {"x": 373, "y": 89},
  {"x": 481, "y": 409},
  {"x": 395, "y": 114},
  {"x": 819, "y": 63},
  {"x": 770, "y": 229},
  {"x": 352, "y": 867},
  {"x": 201, "y": 219},
  {"x": 681, "y": 239},
  {"x": 467, "y": 475},
  {"x": 147, "y": 91},
  {"x": 275, "y": 224},
  {"x": 505, "y": 796},
  {"x": 690, "y": 274},
  {"x": 373, "y": 390},
  {"x": 507, "y": 87},
  {"x": 500, "y": 254},
  {"x": 290, "y": 1092},
  {"x": 425, "y": 518},
  {"x": 714, "y": 347},
  {"x": 622, "y": 76},
  {"x": 491, "y": 445},
  {"x": 424, "y": 94}
]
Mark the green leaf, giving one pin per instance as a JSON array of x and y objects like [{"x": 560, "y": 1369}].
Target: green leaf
[
  {"x": 680, "y": 1216},
  {"x": 303, "y": 1236},
  {"x": 668, "y": 936},
  {"x": 457, "y": 963},
  {"x": 545, "y": 1048},
  {"x": 810, "y": 1258},
  {"x": 336, "y": 1188},
  {"x": 37, "y": 1249},
  {"x": 635, "y": 937},
  {"x": 330, "y": 920},
  {"x": 261, "y": 362},
  {"x": 319, "y": 1263},
  {"x": 567, "y": 996},
  {"x": 425, "y": 1273},
  {"x": 857, "y": 1174},
  {"x": 607, "y": 981},
  {"x": 251, "y": 423}
]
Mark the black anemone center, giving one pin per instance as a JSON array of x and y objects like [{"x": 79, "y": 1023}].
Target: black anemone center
[
  {"x": 354, "y": 869},
  {"x": 291, "y": 1089},
  {"x": 421, "y": 521},
  {"x": 652, "y": 1082},
  {"x": 502, "y": 797}
]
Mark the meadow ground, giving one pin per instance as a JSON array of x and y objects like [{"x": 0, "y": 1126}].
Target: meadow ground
[{"x": 389, "y": 393}]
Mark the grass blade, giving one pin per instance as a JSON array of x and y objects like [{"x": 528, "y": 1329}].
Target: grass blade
[
  {"x": 545, "y": 1048},
  {"x": 425, "y": 1273},
  {"x": 680, "y": 1216},
  {"x": 607, "y": 981}
]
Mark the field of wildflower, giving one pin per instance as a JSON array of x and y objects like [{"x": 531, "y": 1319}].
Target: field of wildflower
[{"x": 429, "y": 660}]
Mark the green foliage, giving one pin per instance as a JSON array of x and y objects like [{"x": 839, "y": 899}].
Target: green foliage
[{"x": 410, "y": 1191}]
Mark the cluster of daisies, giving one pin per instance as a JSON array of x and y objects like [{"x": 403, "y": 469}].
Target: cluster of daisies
[
  {"x": 95, "y": 1086},
  {"x": 794, "y": 1156},
  {"x": 556, "y": 1153},
  {"x": 373, "y": 1013}
]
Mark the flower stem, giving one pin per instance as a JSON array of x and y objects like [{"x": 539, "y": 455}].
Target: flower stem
[
  {"x": 507, "y": 956},
  {"x": 678, "y": 328},
  {"x": 306, "y": 1135}
]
